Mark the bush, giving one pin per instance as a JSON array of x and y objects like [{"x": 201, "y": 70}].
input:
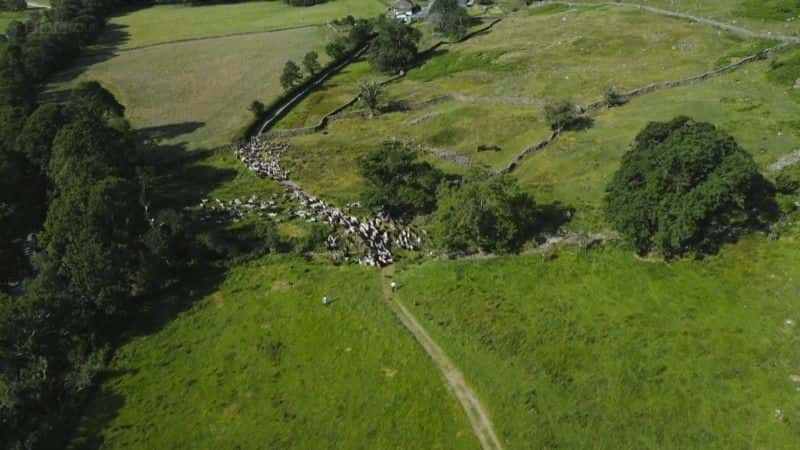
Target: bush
[
  {"x": 788, "y": 180},
  {"x": 614, "y": 97},
  {"x": 371, "y": 93},
  {"x": 397, "y": 182},
  {"x": 565, "y": 115},
  {"x": 484, "y": 214},
  {"x": 686, "y": 187}
]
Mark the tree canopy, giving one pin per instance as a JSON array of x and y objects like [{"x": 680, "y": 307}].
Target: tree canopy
[
  {"x": 397, "y": 182},
  {"x": 484, "y": 214},
  {"x": 686, "y": 186},
  {"x": 449, "y": 18},
  {"x": 395, "y": 46}
]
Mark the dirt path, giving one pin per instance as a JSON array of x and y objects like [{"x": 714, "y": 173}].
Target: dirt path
[{"x": 478, "y": 417}]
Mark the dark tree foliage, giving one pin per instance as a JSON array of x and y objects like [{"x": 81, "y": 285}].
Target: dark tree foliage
[
  {"x": 395, "y": 46},
  {"x": 93, "y": 97},
  {"x": 449, "y": 18},
  {"x": 685, "y": 187},
  {"x": 311, "y": 63},
  {"x": 397, "y": 182},
  {"x": 35, "y": 141},
  {"x": 13, "y": 5},
  {"x": 484, "y": 214},
  {"x": 291, "y": 76},
  {"x": 99, "y": 249},
  {"x": 337, "y": 49}
]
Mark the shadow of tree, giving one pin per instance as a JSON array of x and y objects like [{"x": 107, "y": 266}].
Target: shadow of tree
[{"x": 179, "y": 179}]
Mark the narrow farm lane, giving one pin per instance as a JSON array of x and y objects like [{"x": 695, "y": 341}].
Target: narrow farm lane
[{"x": 478, "y": 416}]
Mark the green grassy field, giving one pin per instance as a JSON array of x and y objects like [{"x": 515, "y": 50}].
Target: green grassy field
[
  {"x": 554, "y": 54},
  {"x": 165, "y": 23},
  {"x": 202, "y": 89},
  {"x": 258, "y": 362},
  {"x": 778, "y": 16},
  {"x": 575, "y": 169},
  {"x": 602, "y": 350}
]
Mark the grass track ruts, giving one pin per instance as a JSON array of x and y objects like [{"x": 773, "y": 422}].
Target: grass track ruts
[{"x": 478, "y": 417}]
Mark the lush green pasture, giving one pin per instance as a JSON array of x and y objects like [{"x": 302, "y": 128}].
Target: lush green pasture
[
  {"x": 198, "y": 92},
  {"x": 258, "y": 362},
  {"x": 762, "y": 117},
  {"x": 166, "y": 23},
  {"x": 566, "y": 55},
  {"x": 553, "y": 54},
  {"x": 602, "y": 350},
  {"x": 327, "y": 163},
  {"x": 335, "y": 92},
  {"x": 778, "y": 16}
]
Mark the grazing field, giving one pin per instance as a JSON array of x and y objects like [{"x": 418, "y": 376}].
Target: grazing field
[
  {"x": 761, "y": 116},
  {"x": 601, "y": 350},
  {"x": 499, "y": 82},
  {"x": 778, "y": 16},
  {"x": 259, "y": 363},
  {"x": 167, "y": 23},
  {"x": 198, "y": 92}
]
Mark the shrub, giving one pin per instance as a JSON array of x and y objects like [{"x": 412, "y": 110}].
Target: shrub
[
  {"x": 371, "y": 93},
  {"x": 484, "y": 213},
  {"x": 257, "y": 108},
  {"x": 684, "y": 187},
  {"x": 397, "y": 182},
  {"x": 565, "y": 115},
  {"x": 337, "y": 49},
  {"x": 614, "y": 97},
  {"x": 788, "y": 180}
]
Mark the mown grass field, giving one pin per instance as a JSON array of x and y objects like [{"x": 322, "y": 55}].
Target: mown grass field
[
  {"x": 258, "y": 362},
  {"x": 167, "y": 23},
  {"x": 198, "y": 92},
  {"x": 602, "y": 350}
]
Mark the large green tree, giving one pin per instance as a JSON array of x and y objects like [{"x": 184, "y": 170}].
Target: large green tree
[
  {"x": 686, "y": 186},
  {"x": 398, "y": 182},
  {"x": 449, "y": 18},
  {"x": 395, "y": 46},
  {"x": 484, "y": 214}
]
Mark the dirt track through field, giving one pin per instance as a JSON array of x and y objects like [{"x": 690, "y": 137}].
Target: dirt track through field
[{"x": 482, "y": 425}]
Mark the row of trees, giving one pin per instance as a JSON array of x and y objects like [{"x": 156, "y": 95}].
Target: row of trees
[
  {"x": 70, "y": 174},
  {"x": 98, "y": 249},
  {"x": 474, "y": 213},
  {"x": 684, "y": 187}
]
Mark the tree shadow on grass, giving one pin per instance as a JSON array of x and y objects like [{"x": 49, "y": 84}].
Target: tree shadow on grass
[
  {"x": 88, "y": 434},
  {"x": 107, "y": 47},
  {"x": 179, "y": 178}
]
